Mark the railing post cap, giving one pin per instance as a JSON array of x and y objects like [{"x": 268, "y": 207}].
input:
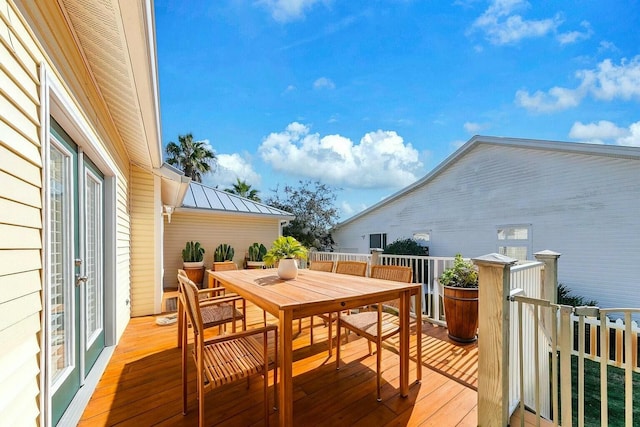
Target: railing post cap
[
  {"x": 547, "y": 254},
  {"x": 495, "y": 259}
]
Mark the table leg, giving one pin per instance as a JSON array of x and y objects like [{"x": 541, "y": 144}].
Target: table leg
[
  {"x": 286, "y": 368},
  {"x": 404, "y": 343}
]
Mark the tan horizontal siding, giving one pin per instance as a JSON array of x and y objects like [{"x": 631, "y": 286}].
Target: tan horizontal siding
[
  {"x": 240, "y": 231},
  {"x": 17, "y": 237},
  {"x": 18, "y": 214},
  {"x": 20, "y": 223},
  {"x": 143, "y": 246},
  {"x": 19, "y": 142},
  {"x": 15, "y": 189},
  {"x": 13, "y": 286}
]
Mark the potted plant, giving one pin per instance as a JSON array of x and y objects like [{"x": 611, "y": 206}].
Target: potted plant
[
  {"x": 460, "y": 283},
  {"x": 284, "y": 251},
  {"x": 193, "y": 261},
  {"x": 223, "y": 253},
  {"x": 257, "y": 251}
]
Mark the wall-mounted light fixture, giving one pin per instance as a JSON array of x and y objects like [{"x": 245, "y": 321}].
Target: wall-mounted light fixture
[{"x": 168, "y": 210}]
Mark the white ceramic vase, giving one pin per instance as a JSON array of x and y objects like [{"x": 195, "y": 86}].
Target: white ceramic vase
[{"x": 288, "y": 268}]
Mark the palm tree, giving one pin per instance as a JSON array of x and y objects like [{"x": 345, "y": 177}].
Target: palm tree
[
  {"x": 242, "y": 189},
  {"x": 193, "y": 157}
]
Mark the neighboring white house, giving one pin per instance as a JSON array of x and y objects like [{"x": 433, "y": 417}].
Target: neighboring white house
[{"x": 517, "y": 197}]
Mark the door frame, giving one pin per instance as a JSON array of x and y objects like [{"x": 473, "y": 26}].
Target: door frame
[{"x": 57, "y": 103}]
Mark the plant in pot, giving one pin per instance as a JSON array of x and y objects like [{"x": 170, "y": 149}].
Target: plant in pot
[
  {"x": 284, "y": 251},
  {"x": 257, "y": 251},
  {"x": 460, "y": 283},
  {"x": 193, "y": 261},
  {"x": 223, "y": 254}
]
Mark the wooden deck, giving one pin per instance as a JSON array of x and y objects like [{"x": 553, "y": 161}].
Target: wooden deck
[{"x": 142, "y": 384}]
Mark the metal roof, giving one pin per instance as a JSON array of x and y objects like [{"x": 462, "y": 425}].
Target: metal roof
[{"x": 200, "y": 196}]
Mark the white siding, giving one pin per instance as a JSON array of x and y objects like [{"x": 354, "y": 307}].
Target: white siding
[{"x": 584, "y": 206}]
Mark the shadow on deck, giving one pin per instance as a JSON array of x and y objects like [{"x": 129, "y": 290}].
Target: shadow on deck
[{"x": 142, "y": 384}]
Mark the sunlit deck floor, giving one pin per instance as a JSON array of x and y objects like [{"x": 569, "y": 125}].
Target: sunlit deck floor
[{"x": 142, "y": 384}]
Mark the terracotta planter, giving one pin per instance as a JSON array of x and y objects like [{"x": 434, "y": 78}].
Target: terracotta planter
[
  {"x": 195, "y": 271},
  {"x": 461, "y": 313},
  {"x": 288, "y": 268}
]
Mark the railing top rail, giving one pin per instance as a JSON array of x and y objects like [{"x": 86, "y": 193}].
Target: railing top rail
[
  {"x": 525, "y": 265},
  {"x": 619, "y": 310}
]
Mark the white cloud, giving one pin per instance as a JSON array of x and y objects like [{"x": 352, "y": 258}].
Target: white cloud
[
  {"x": 288, "y": 10},
  {"x": 474, "y": 128},
  {"x": 232, "y": 167},
  {"x": 502, "y": 26},
  {"x": 606, "y": 132},
  {"x": 606, "y": 82},
  {"x": 556, "y": 99},
  {"x": 576, "y": 36},
  {"x": 380, "y": 160},
  {"x": 324, "y": 83}
]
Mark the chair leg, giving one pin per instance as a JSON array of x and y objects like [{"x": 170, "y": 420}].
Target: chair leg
[
  {"x": 180, "y": 322},
  {"x": 378, "y": 365},
  {"x": 183, "y": 344},
  {"x": 311, "y": 330},
  {"x": 330, "y": 339},
  {"x": 338, "y": 342}
]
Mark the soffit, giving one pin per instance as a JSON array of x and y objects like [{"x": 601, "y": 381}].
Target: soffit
[{"x": 117, "y": 41}]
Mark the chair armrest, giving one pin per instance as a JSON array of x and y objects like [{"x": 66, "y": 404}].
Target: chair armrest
[
  {"x": 242, "y": 334},
  {"x": 212, "y": 291},
  {"x": 219, "y": 300}
]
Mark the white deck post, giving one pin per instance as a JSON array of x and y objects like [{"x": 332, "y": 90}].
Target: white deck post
[
  {"x": 550, "y": 288},
  {"x": 493, "y": 339}
]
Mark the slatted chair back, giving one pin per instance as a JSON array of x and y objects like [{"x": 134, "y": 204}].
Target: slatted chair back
[
  {"x": 226, "y": 266},
  {"x": 392, "y": 272},
  {"x": 321, "y": 266},
  {"x": 189, "y": 292},
  {"x": 354, "y": 268}
]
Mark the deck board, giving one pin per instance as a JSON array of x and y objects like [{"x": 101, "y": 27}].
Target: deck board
[{"x": 142, "y": 384}]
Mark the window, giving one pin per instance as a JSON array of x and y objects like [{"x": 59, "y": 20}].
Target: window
[
  {"x": 515, "y": 241},
  {"x": 377, "y": 241},
  {"x": 422, "y": 237}
]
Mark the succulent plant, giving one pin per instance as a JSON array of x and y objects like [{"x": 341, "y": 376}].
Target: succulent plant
[
  {"x": 224, "y": 252},
  {"x": 257, "y": 251},
  {"x": 193, "y": 252}
]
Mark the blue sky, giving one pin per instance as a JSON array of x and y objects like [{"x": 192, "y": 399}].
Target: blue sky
[{"x": 370, "y": 95}]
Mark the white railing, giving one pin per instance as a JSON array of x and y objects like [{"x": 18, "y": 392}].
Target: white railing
[
  {"x": 576, "y": 332},
  {"x": 425, "y": 270},
  {"x": 526, "y": 279}
]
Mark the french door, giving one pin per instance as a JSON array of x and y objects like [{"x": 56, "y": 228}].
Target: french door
[{"x": 75, "y": 268}]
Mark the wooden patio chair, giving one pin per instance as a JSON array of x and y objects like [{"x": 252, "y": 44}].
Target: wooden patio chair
[
  {"x": 217, "y": 310},
  {"x": 326, "y": 266},
  {"x": 225, "y": 358},
  {"x": 376, "y": 326},
  {"x": 353, "y": 268}
]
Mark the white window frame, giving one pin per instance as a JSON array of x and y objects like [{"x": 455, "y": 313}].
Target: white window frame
[
  {"x": 506, "y": 242},
  {"x": 383, "y": 240}
]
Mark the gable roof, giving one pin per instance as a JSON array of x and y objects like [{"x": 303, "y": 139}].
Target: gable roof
[
  {"x": 534, "y": 144},
  {"x": 205, "y": 198}
]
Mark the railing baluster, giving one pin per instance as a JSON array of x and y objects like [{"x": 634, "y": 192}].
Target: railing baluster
[
  {"x": 604, "y": 358},
  {"x": 628, "y": 371}
]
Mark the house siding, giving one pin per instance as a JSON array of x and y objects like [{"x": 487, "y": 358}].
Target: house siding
[
  {"x": 579, "y": 204},
  {"x": 144, "y": 215},
  {"x": 20, "y": 225},
  {"x": 22, "y": 49},
  {"x": 212, "y": 229}
]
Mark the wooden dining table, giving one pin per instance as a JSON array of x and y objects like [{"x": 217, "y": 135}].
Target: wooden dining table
[{"x": 318, "y": 292}]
